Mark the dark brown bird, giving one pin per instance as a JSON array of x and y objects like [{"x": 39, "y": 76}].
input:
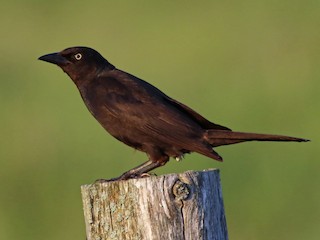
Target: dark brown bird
[{"x": 141, "y": 116}]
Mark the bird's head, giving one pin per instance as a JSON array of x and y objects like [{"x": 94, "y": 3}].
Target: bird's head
[{"x": 78, "y": 62}]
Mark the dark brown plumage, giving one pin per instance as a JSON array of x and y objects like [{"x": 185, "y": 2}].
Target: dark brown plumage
[{"x": 141, "y": 116}]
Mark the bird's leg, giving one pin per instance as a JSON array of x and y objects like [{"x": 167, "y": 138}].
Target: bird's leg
[
  {"x": 156, "y": 159},
  {"x": 139, "y": 170},
  {"x": 136, "y": 172}
]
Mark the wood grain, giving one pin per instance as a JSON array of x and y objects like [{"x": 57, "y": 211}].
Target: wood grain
[{"x": 186, "y": 206}]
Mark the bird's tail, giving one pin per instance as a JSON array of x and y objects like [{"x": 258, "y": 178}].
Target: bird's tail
[{"x": 224, "y": 137}]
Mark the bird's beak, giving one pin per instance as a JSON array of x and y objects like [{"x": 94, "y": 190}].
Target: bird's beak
[{"x": 54, "y": 58}]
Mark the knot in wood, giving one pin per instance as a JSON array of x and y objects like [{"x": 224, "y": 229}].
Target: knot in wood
[{"x": 180, "y": 190}]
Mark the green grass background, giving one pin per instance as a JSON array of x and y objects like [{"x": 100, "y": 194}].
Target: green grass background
[{"x": 249, "y": 65}]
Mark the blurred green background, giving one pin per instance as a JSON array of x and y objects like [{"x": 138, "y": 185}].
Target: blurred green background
[{"x": 249, "y": 65}]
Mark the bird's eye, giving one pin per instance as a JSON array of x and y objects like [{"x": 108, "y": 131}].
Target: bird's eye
[{"x": 78, "y": 56}]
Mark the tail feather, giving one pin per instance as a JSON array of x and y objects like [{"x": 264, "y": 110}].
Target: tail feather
[{"x": 222, "y": 137}]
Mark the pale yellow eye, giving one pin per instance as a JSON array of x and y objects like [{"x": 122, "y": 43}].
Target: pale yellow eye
[{"x": 78, "y": 56}]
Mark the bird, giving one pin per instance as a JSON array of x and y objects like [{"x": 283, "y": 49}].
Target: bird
[{"x": 142, "y": 116}]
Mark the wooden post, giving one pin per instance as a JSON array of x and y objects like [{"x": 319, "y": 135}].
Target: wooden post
[{"x": 186, "y": 206}]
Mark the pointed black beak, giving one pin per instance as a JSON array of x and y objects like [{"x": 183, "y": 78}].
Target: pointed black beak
[{"x": 54, "y": 58}]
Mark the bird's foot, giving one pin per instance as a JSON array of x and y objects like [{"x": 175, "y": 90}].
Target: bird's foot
[
  {"x": 135, "y": 173},
  {"x": 126, "y": 177},
  {"x": 144, "y": 175}
]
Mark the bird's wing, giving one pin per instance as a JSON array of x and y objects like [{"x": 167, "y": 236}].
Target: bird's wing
[
  {"x": 206, "y": 124},
  {"x": 146, "y": 109},
  {"x": 149, "y": 89}
]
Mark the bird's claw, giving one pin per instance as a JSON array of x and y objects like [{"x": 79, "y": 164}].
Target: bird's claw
[
  {"x": 144, "y": 175},
  {"x": 126, "y": 177}
]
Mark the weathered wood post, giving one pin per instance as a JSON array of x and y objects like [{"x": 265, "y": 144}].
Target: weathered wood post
[{"x": 186, "y": 206}]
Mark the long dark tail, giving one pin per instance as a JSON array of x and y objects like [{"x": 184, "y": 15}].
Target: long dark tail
[{"x": 224, "y": 137}]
